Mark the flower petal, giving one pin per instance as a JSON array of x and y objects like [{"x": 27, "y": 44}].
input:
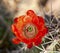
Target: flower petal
[
  {"x": 15, "y": 40},
  {"x": 15, "y": 20},
  {"x": 30, "y": 45},
  {"x": 33, "y": 15},
  {"x": 37, "y": 42}
]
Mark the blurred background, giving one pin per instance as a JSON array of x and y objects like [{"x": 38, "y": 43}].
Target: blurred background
[{"x": 48, "y": 9}]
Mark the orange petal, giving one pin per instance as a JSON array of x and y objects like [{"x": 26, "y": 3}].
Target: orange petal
[
  {"x": 30, "y": 45},
  {"x": 45, "y": 31},
  {"x": 41, "y": 21},
  {"x": 13, "y": 29},
  {"x": 31, "y": 13},
  {"x": 38, "y": 41},
  {"x": 16, "y": 41},
  {"x": 15, "y": 20}
]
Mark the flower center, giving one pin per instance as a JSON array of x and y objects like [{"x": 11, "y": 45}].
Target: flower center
[
  {"x": 30, "y": 31},
  {"x": 30, "y": 28}
]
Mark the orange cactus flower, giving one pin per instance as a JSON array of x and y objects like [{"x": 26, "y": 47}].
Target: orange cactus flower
[{"x": 29, "y": 29}]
